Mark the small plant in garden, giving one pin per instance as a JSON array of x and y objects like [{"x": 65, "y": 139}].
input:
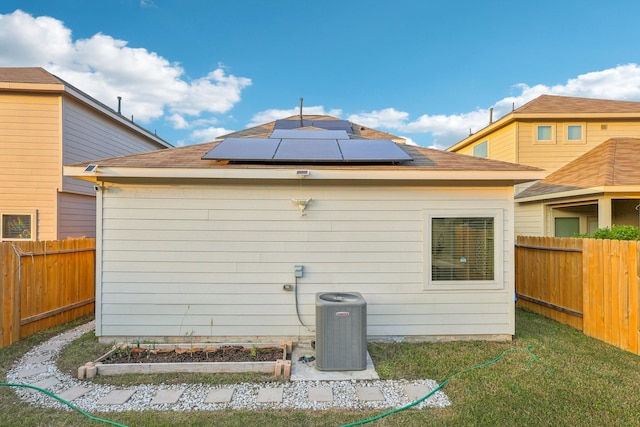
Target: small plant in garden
[{"x": 253, "y": 351}]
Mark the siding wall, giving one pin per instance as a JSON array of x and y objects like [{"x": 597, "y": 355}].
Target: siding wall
[
  {"x": 211, "y": 261},
  {"x": 553, "y": 155},
  {"x": 30, "y": 172},
  {"x": 77, "y": 215},
  {"x": 89, "y": 135},
  {"x": 529, "y": 219},
  {"x": 501, "y": 145}
]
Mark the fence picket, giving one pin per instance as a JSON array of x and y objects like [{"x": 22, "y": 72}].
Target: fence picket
[
  {"x": 49, "y": 284},
  {"x": 601, "y": 282}
]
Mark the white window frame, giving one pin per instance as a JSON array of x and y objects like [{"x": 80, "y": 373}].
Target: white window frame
[
  {"x": 544, "y": 141},
  {"x": 33, "y": 220},
  {"x": 498, "y": 255}
]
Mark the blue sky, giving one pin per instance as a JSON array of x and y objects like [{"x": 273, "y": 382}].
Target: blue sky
[{"x": 426, "y": 70}]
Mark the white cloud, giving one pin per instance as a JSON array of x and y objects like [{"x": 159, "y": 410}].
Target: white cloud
[
  {"x": 621, "y": 83},
  {"x": 106, "y": 68},
  {"x": 388, "y": 118},
  {"x": 276, "y": 114},
  {"x": 208, "y": 134}
]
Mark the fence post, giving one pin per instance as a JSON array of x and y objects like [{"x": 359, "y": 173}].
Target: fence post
[{"x": 10, "y": 293}]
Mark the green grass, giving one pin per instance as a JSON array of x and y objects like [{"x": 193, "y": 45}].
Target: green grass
[{"x": 549, "y": 375}]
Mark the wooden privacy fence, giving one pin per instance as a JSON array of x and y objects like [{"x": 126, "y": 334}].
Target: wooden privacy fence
[
  {"x": 44, "y": 284},
  {"x": 590, "y": 284}
]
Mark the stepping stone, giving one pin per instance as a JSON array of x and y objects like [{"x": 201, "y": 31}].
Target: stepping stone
[
  {"x": 270, "y": 395},
  {"x": 369, "y": 394},
  {"x": 31, "y": 371},
  {"x": 415, "y": 392},
  {"x": 51, "y": 345},
  {"x": 320, "y": 394},
  {"x": 116, "y": 397},
  {"x": 45, "y": 384},
  {"x": 74, "y": 393},
  {"x": 220, "y": 395},
  {"x": 37, "y": 359},
  {"x": 167, "y": 396}
]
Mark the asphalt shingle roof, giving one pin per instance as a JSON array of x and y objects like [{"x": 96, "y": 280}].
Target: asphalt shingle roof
[
  {"x": 552, "y": 104},
  {"x": 27, "y": 75},
  {"x": 424, "y": 158},
  {"x": 612, "y": 163}
]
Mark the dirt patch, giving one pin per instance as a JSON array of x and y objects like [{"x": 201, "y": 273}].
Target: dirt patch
[{"x": 220, "y": 354}]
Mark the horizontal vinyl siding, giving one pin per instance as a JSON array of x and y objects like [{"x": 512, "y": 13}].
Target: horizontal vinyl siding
[
  {"x": 552, "y": 156},
  {"x": 502, "y": 144},
  {"x": 178, "y": 259},
  {"x": 89, "y": 135},
  {"x": 529, "y": 219},
  {"x": 30, "y": 154},
  {"x": 76, "y": 216}
]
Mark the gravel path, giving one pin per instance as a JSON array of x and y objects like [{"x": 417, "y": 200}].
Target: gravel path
[{"x": 38, "y": 368}]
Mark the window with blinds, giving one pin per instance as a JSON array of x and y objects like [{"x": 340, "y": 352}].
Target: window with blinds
[{"x": 462, "y": 249}]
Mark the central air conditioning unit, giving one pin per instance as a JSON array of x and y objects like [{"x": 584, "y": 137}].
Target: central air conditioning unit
[{"x": 341, "y": 331}]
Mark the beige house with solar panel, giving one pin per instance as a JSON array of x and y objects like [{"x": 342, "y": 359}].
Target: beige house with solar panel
[
  {"x": 46, "y": 123},
  {"x": 550, "y": 132},
  {"x": 231, "y": 240}
]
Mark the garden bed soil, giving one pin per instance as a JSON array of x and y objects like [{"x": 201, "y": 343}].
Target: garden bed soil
[{"x": 231, "y": 353}]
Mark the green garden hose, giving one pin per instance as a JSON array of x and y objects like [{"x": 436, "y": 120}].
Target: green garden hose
[
  {"x": 422, "y": 399},
  {"x": 69, "y": 404}
]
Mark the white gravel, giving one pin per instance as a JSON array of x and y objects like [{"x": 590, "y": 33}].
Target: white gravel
[{"x": 245, "y": 395}]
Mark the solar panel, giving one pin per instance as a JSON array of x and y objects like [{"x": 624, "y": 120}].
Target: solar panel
[
  {"x": 318, "y": 150},
  {"x": 375, "y": 150},
  {"x": 309, "y": 134},
  {"x": 250, "y": 149},
  {"x": 333, "y": 125},
  {"x": 291, "y": 124}
]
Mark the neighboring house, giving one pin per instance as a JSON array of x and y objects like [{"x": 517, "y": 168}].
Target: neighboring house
[
  {"x": 549, "y": 132},
  {"x": 203, "y": 241},
  {"x": 599, "y": 188},
  {"x": 46, "y": 123}
]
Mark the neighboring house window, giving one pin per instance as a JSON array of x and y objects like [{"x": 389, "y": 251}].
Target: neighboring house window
[
  {"x": 567, "y": 226},
  {"x": 481, "y": 150},
  {"x": 464, "y": 250},
  {"x": 574, "y": 133},
  {"x": 17, "y": 227},
  {"x": 544, "y": 133}
]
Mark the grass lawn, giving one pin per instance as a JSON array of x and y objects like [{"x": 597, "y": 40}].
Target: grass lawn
[{"x": 549, "y": 375}]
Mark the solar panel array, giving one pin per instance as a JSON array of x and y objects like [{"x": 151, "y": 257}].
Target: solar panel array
[
  {"x": 330, "y": 143},
  {"x": 344, "y": 125}
]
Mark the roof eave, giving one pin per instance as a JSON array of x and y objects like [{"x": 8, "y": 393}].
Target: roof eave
[{"x": 409, "y": 174}]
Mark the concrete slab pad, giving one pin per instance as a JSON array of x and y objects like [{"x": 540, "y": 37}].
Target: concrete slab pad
[
  {"x": 369, "y": 394},
  {"x": 220, "y": 395},
  {"x": 116, "y": 397},
  {"x": 270, "y": 395},
  {"x": 415, "y": 392},
  {"x": 320, "y": 394},
  {"x": 74, "y": 392},
  {"x": 45, "y": 384},
  {"x": 167, "y": 396},
  {"x": 301, "y": 371},
  {"x": 31, "y": 371}
]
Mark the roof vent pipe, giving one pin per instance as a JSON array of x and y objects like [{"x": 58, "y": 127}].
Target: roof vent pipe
[
  {"x": 301, "y": 122},
  {"x": 119, "y": 104},
  {"x": 490, "y": 115}
]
